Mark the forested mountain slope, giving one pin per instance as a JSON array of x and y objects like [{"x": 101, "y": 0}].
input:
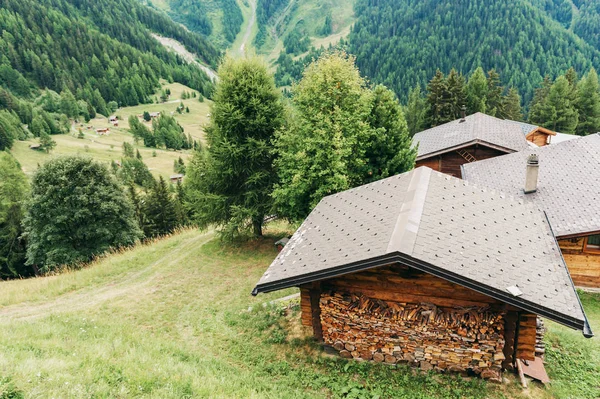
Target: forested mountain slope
[
  {"x": 100, "y": 51},
  {"x": 402, "y": 43},
  {"x": 219, "y": 20}
]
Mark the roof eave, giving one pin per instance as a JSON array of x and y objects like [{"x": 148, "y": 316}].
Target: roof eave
[
  {"x": 466, "y": 144},
  {"x": 387, "y": 259}
]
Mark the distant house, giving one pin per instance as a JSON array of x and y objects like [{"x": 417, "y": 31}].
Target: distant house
[
  {"x": 447, "y": 147},
  {"x": 113, "y": 119},
  {"x": 154, "y": 115},
  {"x": 564, "y": 181},
  {"x": 428, "y": 270},
  {"x": 35, "y": 147},
  {"x": 176, "y": 178},
  {"x": 103, "y": 131}
]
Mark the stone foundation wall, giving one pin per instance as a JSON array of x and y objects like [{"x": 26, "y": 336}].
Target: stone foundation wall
[{"x": 457, "y": 339}]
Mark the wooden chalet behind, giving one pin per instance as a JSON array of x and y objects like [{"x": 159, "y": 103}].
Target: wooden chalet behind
[
  {"x": 567, "y": 189},
  {"x": 447, "y": 147},
  {"x": 429, "y": 270}
]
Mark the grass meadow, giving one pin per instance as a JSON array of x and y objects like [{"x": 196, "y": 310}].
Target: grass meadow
[
  {"x": 108, "y": 148},
  {"x": 175, "y": 319}
]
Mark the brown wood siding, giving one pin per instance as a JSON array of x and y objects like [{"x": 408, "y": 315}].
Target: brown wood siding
[
  {"x": 451, "y": 162},
  {"x": 583, "y": 266},
  {"x": 527, "y": 336},
  {"x": 305, "y": 308},
  {"x": 538, "y": 138}
]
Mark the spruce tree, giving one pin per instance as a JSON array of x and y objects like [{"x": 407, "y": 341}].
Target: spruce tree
[
  {"x": 232, "y": 190},
  {"x": 588, "y": 104},
  {"x": 455, "y": 83},
  {"x": 511, "y": 106},
  {"x": 46, "y": 142},
  {"x": 13, "y": 191},
  {"x": 557, "y": 112},
  {"x": 438, "y": 98},
  {"x": 160, "y": 214},
  {"x": 494, "y": 94},
  {"x": 416, "y": 111},
  {"x": 476, "y": 90},
  {"x": 539, "y": 98}
]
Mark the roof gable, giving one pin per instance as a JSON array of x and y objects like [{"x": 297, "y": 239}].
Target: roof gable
[
  {"x": 476, "y": 128},
  {"x": 439, "y": 224},
  {"x": 568, "y": 183}
]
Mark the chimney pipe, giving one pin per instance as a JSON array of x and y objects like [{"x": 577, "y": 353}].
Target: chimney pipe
[
  {"x": 463, "y": 113},
  {"x": 531, "y": 177}
]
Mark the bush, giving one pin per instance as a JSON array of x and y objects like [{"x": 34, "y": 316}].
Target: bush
[{"x": 77, "y": 211}]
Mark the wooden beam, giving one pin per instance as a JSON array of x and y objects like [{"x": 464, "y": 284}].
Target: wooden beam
[{"x": 315, "y": 298}]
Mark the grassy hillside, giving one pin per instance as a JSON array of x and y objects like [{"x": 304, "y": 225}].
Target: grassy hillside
[
  {"x": 108, "y": 148},
  {"x": 175, "y": 319}
]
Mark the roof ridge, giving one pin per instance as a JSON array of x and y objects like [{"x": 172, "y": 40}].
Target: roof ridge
[{"x": 404, "y": 235}]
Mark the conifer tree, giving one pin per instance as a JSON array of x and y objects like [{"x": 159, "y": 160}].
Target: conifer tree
[
  {"x": 438, "y": 98},
  {"x": 46, "y": 142},
  {"x": 511, "y": 106},
  {"x": 539, "y": 98},
  {"x": 557, "y": 112},
  {"x": 127, "y": 150},
  {"x": 588, "y": 104},
  {"x": 160, "y": 214},
  {"x": 13, "y": 191},
  {"x": 476, "y": 90},
  {"x": 232, "y": 184},
  {"x": 416, "y": 111},
  {"x": 494, "y": 94},
  {"x": 456, "y": 90}
]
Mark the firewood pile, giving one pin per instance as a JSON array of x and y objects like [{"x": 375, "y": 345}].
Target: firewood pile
[
  {"x": 457, "y": 339},
  {"x": 540, "y": 347}
]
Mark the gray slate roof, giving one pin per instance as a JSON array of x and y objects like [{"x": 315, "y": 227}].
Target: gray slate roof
[
  {"x": 445, "y": 226},
  {"x": 568, "y": 183},
  {"x": 477, "y": 128}
]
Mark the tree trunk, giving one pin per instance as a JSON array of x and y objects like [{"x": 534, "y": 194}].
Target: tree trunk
[{"x": 257, "y": 227}]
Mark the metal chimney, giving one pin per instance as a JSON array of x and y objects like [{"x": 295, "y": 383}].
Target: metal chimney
[
  {"x": 531, "y": 177},
  {"x": 463, "y": 113}
]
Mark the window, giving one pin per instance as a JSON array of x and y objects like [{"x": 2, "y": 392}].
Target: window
[{"x": 593, "y": 243}]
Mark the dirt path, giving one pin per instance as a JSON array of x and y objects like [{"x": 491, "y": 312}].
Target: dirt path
[
  {"x": 138, "y": 281},
  {"x": 249, "y": 27},
  {"x": 180, "y": 49}
]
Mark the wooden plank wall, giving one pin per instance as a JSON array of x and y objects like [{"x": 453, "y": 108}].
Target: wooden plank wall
[
  {"x": 407, "y": 285},
  {"x": 526, "y": 336},
  {"x": 538, "y": 138},
  {"x": 584, "y": 267},
  {"x": 305, "y": 308}
]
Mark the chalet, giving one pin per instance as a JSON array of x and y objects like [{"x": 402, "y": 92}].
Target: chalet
[
  {"x": 103, "y": 131},
  {"x": 447, "y": 147},
  {"x": 177, "y": 178},
  {"x": 113, "y": 119},
  {"x": 429, "y": 270},
  {"x": 35, "y": 147},
  {"x": 564, "y": 181}
]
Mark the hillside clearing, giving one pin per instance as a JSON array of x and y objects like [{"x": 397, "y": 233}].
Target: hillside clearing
[
  {"x": 108, "y": 148},
  {"x": 171, "y": 320}
]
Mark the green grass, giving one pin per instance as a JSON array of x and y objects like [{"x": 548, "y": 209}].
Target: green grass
[
  {"x": 108, "y": 148},
  {"x": 171, "y": 320}
]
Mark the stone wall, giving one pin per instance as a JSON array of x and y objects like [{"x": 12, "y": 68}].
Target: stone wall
[{"x": 456, "y": 339}]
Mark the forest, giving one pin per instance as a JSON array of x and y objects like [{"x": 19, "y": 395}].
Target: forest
[{"x": 401, "y": 44}]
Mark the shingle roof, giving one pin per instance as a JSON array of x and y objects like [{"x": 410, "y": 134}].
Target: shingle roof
[
  {"x": 439, "y": 224},
  {"x": 568, "y": 182},
  {"x": 477, "y": 128}
]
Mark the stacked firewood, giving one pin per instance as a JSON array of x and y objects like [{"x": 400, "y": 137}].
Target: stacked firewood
[
  {"x": 457, "y": 339},
  {"x": 540, "y": 347}
]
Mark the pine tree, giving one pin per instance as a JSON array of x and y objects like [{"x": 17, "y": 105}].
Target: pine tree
[
  {"x": 557, "y": 111},
  {"x": 232, "y": 187},
  {"x": 456, "y": 89},
  {"x": 138, "y": 155},
  {"x": 588, "y": 104},
  {"x": 539, "y": 98},
  {"x": 416, "y": 111},
  {"x": 159, "y": 210},
  {"x": 494, "y": 94},
  {"x": 438, "y": 98},
  {"x": 68, "y": 104},
  {"x": 477, "y": 90},
  {"x": 511, "y": 106},
  {"x": 127, "y": 150}
]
